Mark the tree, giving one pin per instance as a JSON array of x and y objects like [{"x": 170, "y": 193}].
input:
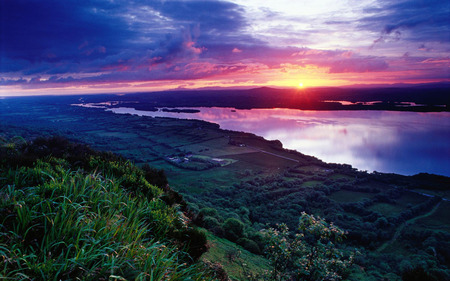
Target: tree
[
  {"x": 311, "y": 254},
  {"x": 234, "y": 229}
]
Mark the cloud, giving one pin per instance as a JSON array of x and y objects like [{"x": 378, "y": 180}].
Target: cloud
[
  {"x": 56, "y": 30},
  {"x": 358, "y": 65},
  {"x": 52, "y": 42},
  {"x": 64, "y": 37},
  {"x": 419, "y": 21},
  {"x": 219, "y": 17},
  {"x": 341, "y": 61}
]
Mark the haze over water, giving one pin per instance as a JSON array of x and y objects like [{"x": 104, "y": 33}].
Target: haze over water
[{"x": 392, "y": 142}]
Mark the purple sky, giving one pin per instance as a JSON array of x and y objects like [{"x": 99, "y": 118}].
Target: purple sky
[{"x": 75, "y": 46}]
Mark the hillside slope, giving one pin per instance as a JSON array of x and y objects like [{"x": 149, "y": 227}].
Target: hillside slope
[{"x": 70, "y": 213}]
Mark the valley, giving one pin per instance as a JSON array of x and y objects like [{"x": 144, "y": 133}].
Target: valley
[{"x": 257, "y": 182}]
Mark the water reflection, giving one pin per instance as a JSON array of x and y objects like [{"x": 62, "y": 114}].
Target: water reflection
[{"x": 398, "y": 142}]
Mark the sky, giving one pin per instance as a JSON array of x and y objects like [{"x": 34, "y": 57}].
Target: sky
[{"x": 105, "y": 46}]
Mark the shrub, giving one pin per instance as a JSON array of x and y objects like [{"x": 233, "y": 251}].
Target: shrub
[
  {"x": 310, "y": 255},
  {"x": 193, "y": 240},
  {"x": 233, "y": 229},
  {"x": 249, "y": 245},
  {"x": 210, "y": 222},
  {"x": 155, "y": 176},
  {"x": 418, "y": 274},
  {"x": 210, "y": 212}
]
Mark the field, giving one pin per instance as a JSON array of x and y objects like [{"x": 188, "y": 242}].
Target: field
[
  {"x": 345, "y": 196},
  {"x": 438, "y": 220}
]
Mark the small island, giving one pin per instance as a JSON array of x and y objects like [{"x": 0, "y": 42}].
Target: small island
[{"x": 178, "y": 110}]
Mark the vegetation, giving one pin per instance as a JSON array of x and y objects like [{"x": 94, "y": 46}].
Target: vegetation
[
  {"x": 69, "y": 213},
  {"x": 239, "y": 263},
  {"x": 399, "y": 231},
  {"x": 312, "y": 254}
]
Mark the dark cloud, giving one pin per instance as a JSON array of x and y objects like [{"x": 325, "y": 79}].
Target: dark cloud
[
  {"x": 412, "y": 20},
  {"x": 56, "y": 30},
  {"x": 213, "y": 16},
  {"x": 58, "y": 37}
]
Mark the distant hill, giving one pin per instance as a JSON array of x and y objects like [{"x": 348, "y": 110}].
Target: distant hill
[{"x": 422, "y": 97}]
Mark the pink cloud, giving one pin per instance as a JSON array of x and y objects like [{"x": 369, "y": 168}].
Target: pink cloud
[
  {"x": 437, "y": 61},
  {"x": 358, "y": 65},
  {"x": 191, "y": 47},
  {"x": 340, "y": 61}
]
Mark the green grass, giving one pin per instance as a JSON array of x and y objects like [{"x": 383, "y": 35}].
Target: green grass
[
  {"x": 104, "y": 223},
  {"x": 216, "y": 148},
  {"x": 386, "y": 209},
  {"x": 314, "y": 168},
  {"x": 233, "y": 258},
  {"x": 340, "y": 176},
  {"x": 411, "y": 198},
  {"x": 311, "y": 183},
  {"x": 345, "y": 196},
  {"x": 439, "y": 220},
  {"x": 261, "y": 160}
]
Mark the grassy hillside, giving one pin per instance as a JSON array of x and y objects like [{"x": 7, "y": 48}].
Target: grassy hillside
[
  {"x": 237, "y": 261},
  {"x": 70, "y": 213}
]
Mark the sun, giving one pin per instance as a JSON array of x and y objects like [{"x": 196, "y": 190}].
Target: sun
[{"x": 300, "y": 85}]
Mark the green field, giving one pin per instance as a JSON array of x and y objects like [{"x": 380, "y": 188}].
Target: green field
[
  {"x": 345, "y": 196},
  {"x": 439, "y": 220},
  {"x": 386, "y": 209}
]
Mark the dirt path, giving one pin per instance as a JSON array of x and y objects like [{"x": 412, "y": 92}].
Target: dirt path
[{"x": 403, "y": 225}]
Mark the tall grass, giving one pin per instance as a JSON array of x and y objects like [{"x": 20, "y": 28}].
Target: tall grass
[{"x": 58, "y": 224}]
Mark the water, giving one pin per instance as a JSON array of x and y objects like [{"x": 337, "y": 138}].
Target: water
[{"x": 385, "y": 141}]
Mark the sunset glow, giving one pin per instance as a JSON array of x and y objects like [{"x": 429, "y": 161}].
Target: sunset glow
[{"x": 99, "y": 46}]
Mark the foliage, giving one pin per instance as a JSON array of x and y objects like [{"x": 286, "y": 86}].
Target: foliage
[
  {"x": 249, "y": 245},
  {"x": 155, "y": 176},
  {"x": 312, "y": 254},
  {"x": 211, "y": 223},
  {"x": 233, "y": 228},
  {"x": 419, "y": 274},
  {"x": 102, "y": 222},
  {"x": 17, "y": 152},
  {"x": 210, "y": 212}
]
